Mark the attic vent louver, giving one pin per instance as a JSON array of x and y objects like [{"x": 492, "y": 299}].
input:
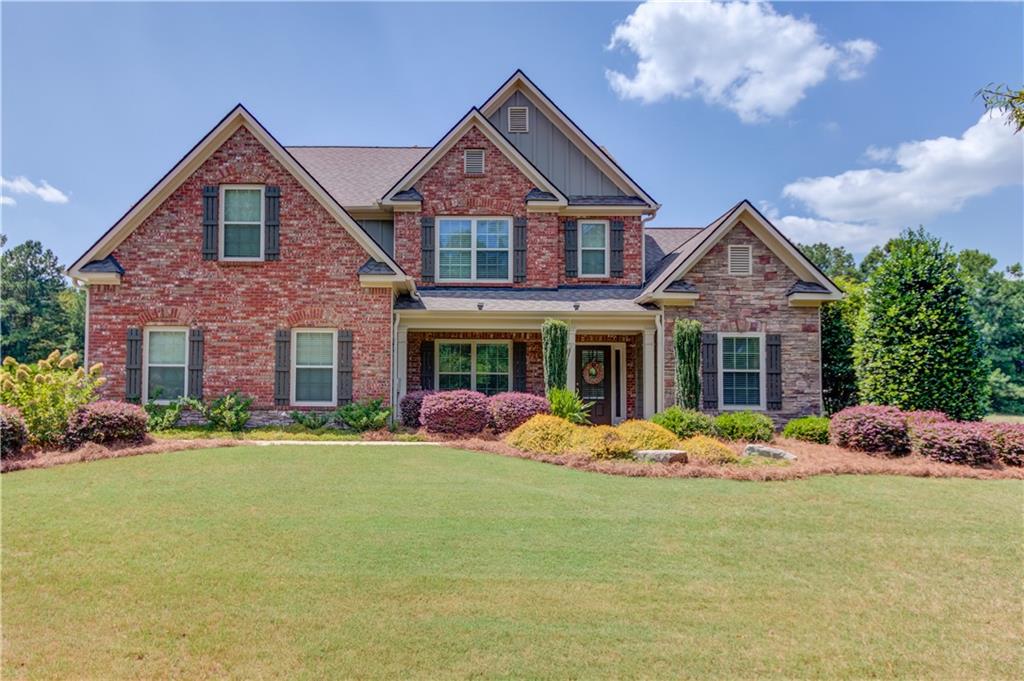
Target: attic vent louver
[
  {"x": 473, "y": 161},
  {"x": 740, "y": 260},
  {"x": 518, "y": 119}
]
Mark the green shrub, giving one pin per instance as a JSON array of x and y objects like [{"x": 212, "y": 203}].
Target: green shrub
[
  {"x": 313, "y": 420},
  {"x": 744, "y": 425},
  {"x": 48, "y": 392},
  {"x": 685, "y": 422},
  {"x": 646, "y": 435},
  {"x": 707, "y": 450},
  {"x": 364, "y": 415},
  {"x": 568, "y": 405},
  {"x": 163, "y": 416},
  {"x": 600, "y": 442},
  {"x": 838, "y": 323},
  {"x": 808, "y": 428},
  {"x": 13, "y": 433},
  {"x": 686, "y": 340},
  {"x": 228, "y": 412},
  {"x": 543, "y": 434},
  {"x": 554, "y": 338}
]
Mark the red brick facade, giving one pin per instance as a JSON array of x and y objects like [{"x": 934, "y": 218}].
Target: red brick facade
[{"x": 240, "y": 305}]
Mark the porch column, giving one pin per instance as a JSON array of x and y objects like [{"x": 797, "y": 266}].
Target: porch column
[
  {"x": 570, "y": 363},
  {"x": 650, "y": 382},
  {"x": 402, "y": 363}
]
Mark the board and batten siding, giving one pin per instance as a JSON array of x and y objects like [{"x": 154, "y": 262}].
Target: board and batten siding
[{"x": 383, "y": 232}]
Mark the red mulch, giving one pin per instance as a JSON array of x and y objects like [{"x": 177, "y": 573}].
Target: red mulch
[{"x": 47, "y": 458}]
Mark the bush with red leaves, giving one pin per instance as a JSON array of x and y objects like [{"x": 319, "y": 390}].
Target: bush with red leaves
[
  {"x": 13, "y": 433},
  {"x": 953, "y": 442},
  {"x": 106, "y": 421},
  {"x": 410, "y": 406},
  {"x": 871, "y": 428},
  {"x": 456, "y": 412},
  {"x": 1007, "y": 441},
  {"x": 511, "y": 410}
]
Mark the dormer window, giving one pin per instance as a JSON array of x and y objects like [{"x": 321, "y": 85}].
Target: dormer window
[
  {"x": 241, "y": 222},
  {"x": 518, "y": 119},
  {"x": 473, "y": 161},
  {"x": 740, "y": 260}
]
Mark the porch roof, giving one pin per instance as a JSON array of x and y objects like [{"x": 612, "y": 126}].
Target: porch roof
[{"x": 563, "y": 300}]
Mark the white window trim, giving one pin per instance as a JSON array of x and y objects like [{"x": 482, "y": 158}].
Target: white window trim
[
  {"x": 508, "y": 120},
  {"x": 472, "y": 359},
  {"x": 580, "y": 249},
  {"x": 722, "y": 406},
  {"x": 263, "y": 222},
  {"x": 473, "y": 219},
  {"x": 146, "y": 364},
  {"x": 483, "y": 162},
  {"x": 333, "y": 402},
  {"x": 750, "y": 260}
]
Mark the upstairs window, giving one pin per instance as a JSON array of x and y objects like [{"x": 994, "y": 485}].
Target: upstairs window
[
  {"x": 740, "y": 260},
  {"x": 166, "y": 372},
  {"x": 473, "y": 161},
  {"x": 742, "y": 371},
  {"x": 241, "y": 222},
  {"x": 593, "y": 249},
  {"x": 474, "y": 249},
  {"x": 518, "y": 119}
]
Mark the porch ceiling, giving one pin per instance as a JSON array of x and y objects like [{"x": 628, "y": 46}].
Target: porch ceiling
[{"x": 565, "y": 300}]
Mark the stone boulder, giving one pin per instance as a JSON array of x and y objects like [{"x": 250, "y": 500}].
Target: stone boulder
[
  {"x": 770, "y": 452},
  {"x": 660, "y": 455}
]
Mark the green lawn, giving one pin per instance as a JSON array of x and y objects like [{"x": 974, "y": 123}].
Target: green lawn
[{"x": 428, "y": 562}]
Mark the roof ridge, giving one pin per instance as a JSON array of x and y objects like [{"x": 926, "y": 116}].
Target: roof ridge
[{"x": 352, "y": 146}]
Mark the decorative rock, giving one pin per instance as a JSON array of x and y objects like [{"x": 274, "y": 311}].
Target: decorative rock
[
  {"x": 771, "y": 452},
  {"x": 660, "y": 455}
]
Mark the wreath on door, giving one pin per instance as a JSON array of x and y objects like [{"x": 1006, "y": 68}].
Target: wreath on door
[{"x": 593, "y": 372}]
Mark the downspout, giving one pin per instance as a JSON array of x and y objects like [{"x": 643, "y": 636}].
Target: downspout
[{"x": 644, "y": 219}]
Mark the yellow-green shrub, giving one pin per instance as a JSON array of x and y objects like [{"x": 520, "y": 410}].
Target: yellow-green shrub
[
  {"x": 646, "y": 435},
  {"x": 600, "y": 442},
  {"x": 708, "y": 450},
  {"x": 543, "y": 434}
]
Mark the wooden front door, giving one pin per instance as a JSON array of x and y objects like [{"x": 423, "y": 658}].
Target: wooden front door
[{"x": 594, "y": 380}]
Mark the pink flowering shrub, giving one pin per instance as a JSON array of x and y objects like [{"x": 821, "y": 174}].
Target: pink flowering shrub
[
  {"x": 871, "y": 429},
  {"x": 106, "y": 421},
  {"x": 953, "y": 442},
  {"x": 456, "y": 412},
  {"x": 1007, "y": 442},
  {"x": 13, "y": 433},
  {"x": 511, "y": 410},
  {"x": 410, "y": 406}
]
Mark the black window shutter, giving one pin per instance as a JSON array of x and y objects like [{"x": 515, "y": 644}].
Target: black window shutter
[
  {"x": 519, "y": 249},
  {"x": 211, "y": 216},
  {"x": 570, "y": 248},
  {"x": 773, "y": 371},
  {"x": 282, "y": 366},
  {"x": 427, "y": 249},
  {"x": 344, "y": 367},
  {"x": 133, "y": 365},
  {"x": 617, "y": 246},
  {"x": 519, "y": 367},
  {"x": 195, "y": 363},
  {"x": 272, "y": 236},
  {"x": 709, "y": 370},
  {"x": 427, "y": 365}
]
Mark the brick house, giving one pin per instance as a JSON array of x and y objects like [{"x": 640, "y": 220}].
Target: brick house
[{"x": 311, "y": 276}]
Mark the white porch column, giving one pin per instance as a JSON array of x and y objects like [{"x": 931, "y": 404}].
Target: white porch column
[
  {"x": 570, "y": 362},
  {"x": 659, "y": 375},
  {"x": 650, "y": 372},
  {"x": 401, "y": 362}
]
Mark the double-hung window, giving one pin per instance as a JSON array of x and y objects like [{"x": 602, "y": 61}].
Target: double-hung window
[
  {"x": 742, "y": 371},
  {"x": 594, "y": 249},
  {"x": 241, "y": 222},
  {"x": 472, "y": 365},
  {"x": 166, "y": 373},
  {"x": 474, "y": 249},
  {"x": 314, "y": 367}
]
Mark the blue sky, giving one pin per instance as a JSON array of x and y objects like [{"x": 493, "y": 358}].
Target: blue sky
[{"x": 100, "y": 100}]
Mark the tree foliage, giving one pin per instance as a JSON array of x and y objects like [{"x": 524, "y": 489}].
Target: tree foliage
[
  {"x": 834, "y": 261},
  {"x": 838, "y": 325},
  {"x": 1006, "y": 100},
  {"x": 686, "y": 341},
  {"x": 917, "y": 344}
]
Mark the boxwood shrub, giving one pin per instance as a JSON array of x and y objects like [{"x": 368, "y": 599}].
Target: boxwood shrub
[
  {"x": 104, "y": 422},
  {"x": 808, "y": 429},
  {"x": 685, "y": 422},
  {"x": 455, "y": 412},
  {"x": 745, "y": 426},
  {"x": 511, "y": 410},
  {"x": 871, "y": 429}
]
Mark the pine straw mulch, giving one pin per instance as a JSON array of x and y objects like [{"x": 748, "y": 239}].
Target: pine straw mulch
[
  {"x": 47, "y": 458},
  {"x": 812, "y": 459}
]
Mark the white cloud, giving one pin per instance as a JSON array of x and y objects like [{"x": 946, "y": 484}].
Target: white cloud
[
  {"x": 928, "y": 178},
  {"x": 22, "y": 185},
  {"x": 743, "y": 56},
  {"x": 7, "y": 201}
]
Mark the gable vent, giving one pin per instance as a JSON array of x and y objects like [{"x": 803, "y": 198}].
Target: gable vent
[
  {"x": 473, "y": 161},
  {"x": 518, "y": 119},
  {"x": 740, "y": 260}
]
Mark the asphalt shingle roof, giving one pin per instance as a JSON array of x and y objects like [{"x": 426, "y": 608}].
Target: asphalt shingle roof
[
  {"x": 108, "y": 264},
  {"x": 561, "y": 300},
  {"x": 372, "y": 266},
  {"x": 806, "y": 287},
  {"x": 358, "y": 176},
  {"x": 660, "y": 241}
]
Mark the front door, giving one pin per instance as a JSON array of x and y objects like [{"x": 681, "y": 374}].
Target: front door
[{"x": 594, "y": 380}]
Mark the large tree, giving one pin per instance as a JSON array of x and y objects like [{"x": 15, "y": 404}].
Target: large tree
[
  {"x": 835, "y": 261},
  {"x": 917, "y": 344}
]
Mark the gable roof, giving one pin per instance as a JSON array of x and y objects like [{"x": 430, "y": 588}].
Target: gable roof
[
  {"x": 473, "y": 118},
  {"x": 235, "y": 119},
  {"x": 660, "y": 242},
  {"x": 691, "y": 251},
  {"x": 596, "y": 153},
  {"x": 357, "y": 176}
]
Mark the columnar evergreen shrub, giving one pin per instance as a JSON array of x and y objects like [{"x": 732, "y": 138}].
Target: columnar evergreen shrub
[
  {"x": 701, "y": 448},
  {"x": 917, "y": 345},
  {"x": 685, "y": 422},
  {"x": 104, "y": 422},
  {"x": 647, "y": 435},
  {"x": 600, "y": 442},
  {"x": 410, "y": 406},
  {"x": 686, "y": 341},
  {"x": 745, "y": 426},
  {"x": 554, "y": 335},
  {"x": 455, "y": 412},
  {"x": 838, "y": 324},
  {"x": 952, "y": 442},
  {"x": 1007, "y": 441},
  {"x": 808, "y": 428},
  {"x": 871, "y": 428},
  {"x": 13, "y": 433},
  {"x": 511, "y": 410},
  {"x": 543, "y": 434}
]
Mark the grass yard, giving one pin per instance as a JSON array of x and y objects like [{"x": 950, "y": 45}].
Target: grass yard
[{"x": 414, "y": 561}]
